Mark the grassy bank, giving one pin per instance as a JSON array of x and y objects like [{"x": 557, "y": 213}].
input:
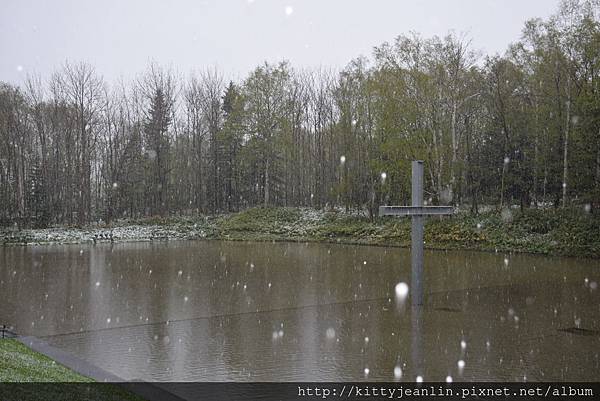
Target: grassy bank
[
  {"x": 572, "y": 232},
  {"x": 555, "y": 232},
  {"x": 19, "y": 364}
]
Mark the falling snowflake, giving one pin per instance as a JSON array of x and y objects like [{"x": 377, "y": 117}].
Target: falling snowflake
[
  {"x": 401, "y": 290},
  {"x": 330, "y": 333},
  {"x": 289, "y": 10}
]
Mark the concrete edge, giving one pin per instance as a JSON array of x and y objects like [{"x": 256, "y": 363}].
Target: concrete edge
[{"x": 146, "y": 390}]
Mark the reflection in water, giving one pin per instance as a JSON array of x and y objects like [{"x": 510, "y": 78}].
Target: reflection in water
[
  {"x": 416, "y": 335},
  {"x": 217, "y": 311}
]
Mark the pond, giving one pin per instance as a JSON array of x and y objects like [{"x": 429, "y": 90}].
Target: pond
[{"x": 242, "y": 311}]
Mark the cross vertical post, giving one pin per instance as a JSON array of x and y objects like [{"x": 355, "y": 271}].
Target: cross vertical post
[
  {"x": 417, "y": 211},
  {"x": 417, "y": 235}
]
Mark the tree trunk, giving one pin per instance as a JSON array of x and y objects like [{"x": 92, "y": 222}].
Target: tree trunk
[
  {"x": 502, "y": 186},
  {"x": 536, "y": 158},
  {"x": 566, "y": 144},
  {"x": 598, "y": 165},
  {"x": 454, "y": 153},
  {"x": 267, "y": 182}
]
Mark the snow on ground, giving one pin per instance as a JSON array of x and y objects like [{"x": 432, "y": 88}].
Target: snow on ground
[{"x": 116, "y": 234}]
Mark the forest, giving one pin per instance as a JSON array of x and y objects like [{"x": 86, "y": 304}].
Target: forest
[{"x": 520, "y": 129}]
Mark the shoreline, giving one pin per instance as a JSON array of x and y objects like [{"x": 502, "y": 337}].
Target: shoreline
[{"x": 571, "y": 233}]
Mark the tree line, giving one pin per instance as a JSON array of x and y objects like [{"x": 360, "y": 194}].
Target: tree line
[{"x": 518, "y": 129}]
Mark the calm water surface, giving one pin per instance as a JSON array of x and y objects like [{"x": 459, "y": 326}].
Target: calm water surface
[{"x": 234, "y": 311}]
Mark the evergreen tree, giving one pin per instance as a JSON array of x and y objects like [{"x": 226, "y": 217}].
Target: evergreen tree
[{"x": 157, "y": 153}]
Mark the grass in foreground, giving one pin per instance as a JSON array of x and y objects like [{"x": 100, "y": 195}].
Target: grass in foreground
[
  {"x": 18, "y": 363},
  {"x": 48, "y": 380}
]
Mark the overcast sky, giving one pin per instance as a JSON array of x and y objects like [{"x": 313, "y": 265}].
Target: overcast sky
[{"x": 119, "y": 37}]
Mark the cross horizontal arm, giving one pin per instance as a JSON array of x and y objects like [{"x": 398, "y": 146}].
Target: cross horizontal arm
[{"x": 415, "y": 210}]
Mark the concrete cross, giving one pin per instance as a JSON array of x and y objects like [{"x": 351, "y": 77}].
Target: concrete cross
[{"x": 417, "y": 211}]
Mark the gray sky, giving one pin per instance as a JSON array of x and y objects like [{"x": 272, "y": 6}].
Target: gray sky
[{"x": 119, "y": 37}]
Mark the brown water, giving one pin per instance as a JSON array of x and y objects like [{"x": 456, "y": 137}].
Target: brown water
[{"x": 233, "y": 311}]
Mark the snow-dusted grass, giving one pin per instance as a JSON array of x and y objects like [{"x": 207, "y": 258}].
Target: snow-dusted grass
[
  {"x": 134, "y": 232},
  {"x": 571, "y": 232},
  {"x": 20, "y": 364}
]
